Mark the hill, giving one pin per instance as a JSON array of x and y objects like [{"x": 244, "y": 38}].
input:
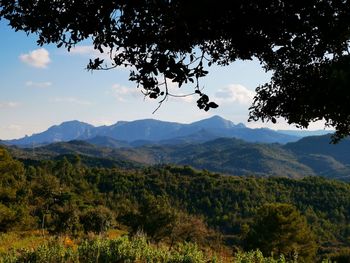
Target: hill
[
  {"x": 225, "y": 155},
  {"x": 330, "y": 160}
]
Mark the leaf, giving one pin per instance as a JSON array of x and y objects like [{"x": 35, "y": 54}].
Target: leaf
[{"x": 213, "y": 105}]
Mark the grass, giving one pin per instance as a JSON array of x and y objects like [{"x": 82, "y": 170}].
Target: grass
[{"x": 22, "y": 240}]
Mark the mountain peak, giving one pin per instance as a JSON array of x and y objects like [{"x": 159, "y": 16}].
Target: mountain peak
[
  {"x": 73, "y": 123},
  {"x": 150, "y": 130},
  {"x": 217, "y": 122}
]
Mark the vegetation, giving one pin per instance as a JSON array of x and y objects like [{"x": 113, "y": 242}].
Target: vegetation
[
  {"x": 107, "y": 250},
  {"x": 304, "y": 45},
  {"x": 279, "y": 229},
  {"x": 176, "y": 205},
  {"x": 124, "y": 249},
  {"x": 308, "y": 157}
]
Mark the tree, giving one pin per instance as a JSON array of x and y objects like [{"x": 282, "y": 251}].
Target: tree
[
  {"x": 12, "y": 178},
  {"x": 97, "y": 220},
  {"x": 281, "y": 229},
  {"x": 154, "y": 216},
  {"x": 7, "y": 218},
  {"x": 303, "y": 43},
  {"x": 191, "y": 228}
]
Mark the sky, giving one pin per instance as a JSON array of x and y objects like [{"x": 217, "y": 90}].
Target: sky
[{"x": 45, "y": 86}]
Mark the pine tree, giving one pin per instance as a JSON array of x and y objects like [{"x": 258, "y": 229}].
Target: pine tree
[{"x": 281, "y": 229}]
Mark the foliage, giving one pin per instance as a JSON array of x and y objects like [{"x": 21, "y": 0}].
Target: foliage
[
  {"x": 307, "y": 157},
  {"x": 304, "y": 45},
  {"x": 341, "y": 256},
  {"x": 280, "y": 229},
  {"x": 97, "y": 219},
  {"x": 154, "y": 216},
  {"x": 103, "y": 250},
  {"x": 257, "y": 256},
  {"x": 124, "y": 249},
  {"x": 171, "y": 204},
  {"x": 16, "y": 241}
]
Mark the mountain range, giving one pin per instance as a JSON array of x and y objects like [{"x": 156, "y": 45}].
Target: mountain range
[
  {"x": 150, "y": 131},
  {"x": 214, "y": 144}
]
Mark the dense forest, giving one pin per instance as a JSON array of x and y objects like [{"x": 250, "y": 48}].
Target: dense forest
[{"x": 307, "y": 217}]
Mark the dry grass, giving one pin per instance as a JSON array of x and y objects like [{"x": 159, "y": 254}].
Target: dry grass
[{"x": 22, "y": 240}]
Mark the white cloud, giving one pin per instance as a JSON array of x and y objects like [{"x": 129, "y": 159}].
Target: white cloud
[
  {"x": 235, "y": 93},
  {"x": 38, "y": 58},
  {"x": 84, "y": 50},
  {"x": 71, "y": 100},
  {"x": 38, "y": 84},
  {"x": 90, "y": 51},
  {"x": 123, "y": 93},
  {"x": 9, "y": 104}
]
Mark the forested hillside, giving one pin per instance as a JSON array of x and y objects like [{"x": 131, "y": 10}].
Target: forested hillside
[
  {"x": 311, "y": 156},
  {"x": 173, "y": 204}
]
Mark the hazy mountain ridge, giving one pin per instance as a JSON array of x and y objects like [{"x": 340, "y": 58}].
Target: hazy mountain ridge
[
  {"x": 225, "y": 155},
  {"x": 326, "y": 159},
  {"x": 66, "y": 131},
  {"x": 153, "y": 131}
]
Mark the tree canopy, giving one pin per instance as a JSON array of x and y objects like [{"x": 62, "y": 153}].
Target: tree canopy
[
  {"x": 303, "y": 43},
  {"x": 281, "y": 229}
]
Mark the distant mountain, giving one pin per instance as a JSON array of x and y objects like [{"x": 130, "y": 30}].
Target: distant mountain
[
  {"x": 149, "y": 131},
  {"x": 216, "y": 122},
  {"x": 237, "y": 157},
  {"x": 305, "y": 133},
  {"x": 105, "y": 141},
  {"x": 230, "y": 156},
  {"x": 66, "y": 131},
  {"x": 322, "y": 145},
  {"x": 200, "y": 136},
  {"x": 329, "y": 160}
]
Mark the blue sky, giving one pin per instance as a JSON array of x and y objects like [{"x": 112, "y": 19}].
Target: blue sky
[{"x": 43, "y": 86}]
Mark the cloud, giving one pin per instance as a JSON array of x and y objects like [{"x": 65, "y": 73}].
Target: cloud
[
  {"x": 9, "y": 104},
  {"x": 38, "y": 84},
  {"x": 177, "y": 94},
  {"x": 90, "y": 51},
  {"x": 123, "y": 93},
  {"x": 84, "y": 50},
  {"x": 71, "y": 100},
  {"x": 235, "y": 93},
  {"x": 38, "y": 58}
]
